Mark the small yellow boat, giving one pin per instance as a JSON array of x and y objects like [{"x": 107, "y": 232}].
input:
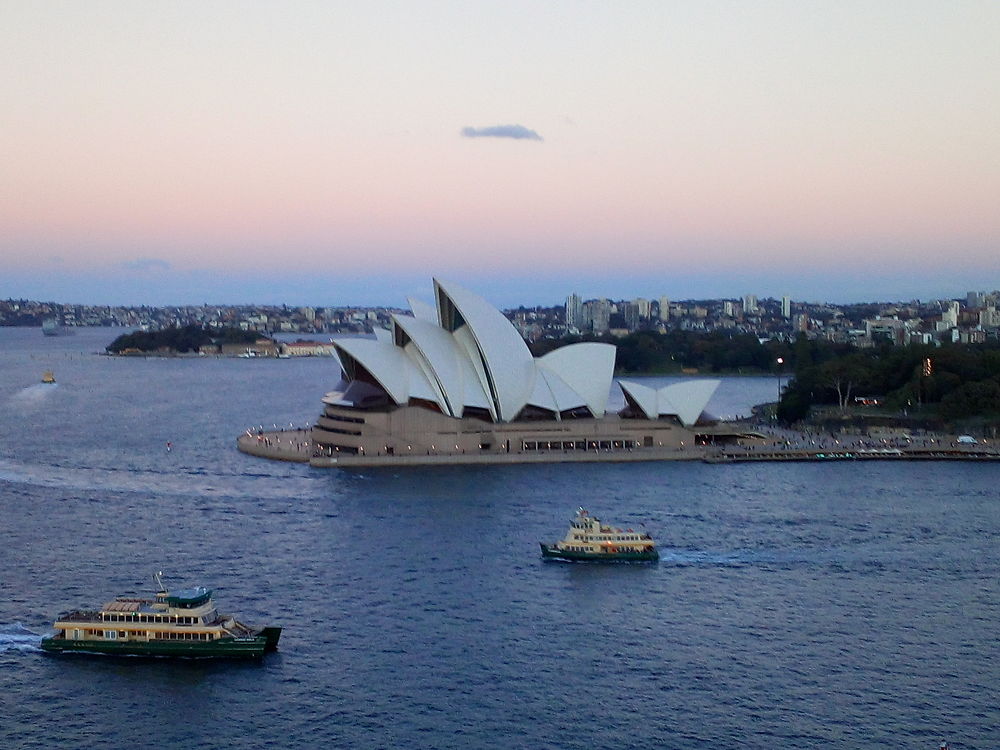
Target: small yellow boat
[{"x": 48, "y": 377}]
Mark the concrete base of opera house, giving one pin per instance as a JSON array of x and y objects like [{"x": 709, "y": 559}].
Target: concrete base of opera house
[
  {"x": 296, "y": 446},
  {"x": 769, "y": 444}
]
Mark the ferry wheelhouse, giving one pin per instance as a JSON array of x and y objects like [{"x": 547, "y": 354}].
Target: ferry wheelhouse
[
  {"x": 589, "y": 539},
  {"x": 182, "y": 623}
]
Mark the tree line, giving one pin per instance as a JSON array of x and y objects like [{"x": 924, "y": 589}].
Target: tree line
[
  {"x": 653, "y": 353},
  {"x": 952, "y": 382}
]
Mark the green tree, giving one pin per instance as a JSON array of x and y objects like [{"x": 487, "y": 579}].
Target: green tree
[{"x": 981, "y": 398}]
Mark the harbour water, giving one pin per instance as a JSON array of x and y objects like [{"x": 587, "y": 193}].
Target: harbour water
[{"x": 795, "y": 605}]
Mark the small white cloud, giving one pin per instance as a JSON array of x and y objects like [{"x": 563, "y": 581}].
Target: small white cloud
[
  {"x": 146, "y": 264},
  {"x": 518, "y": 132}
]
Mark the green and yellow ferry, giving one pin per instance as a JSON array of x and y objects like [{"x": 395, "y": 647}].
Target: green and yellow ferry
[
  {"x": 590, "y": 540},
  {"x": 182, "y": 623}
]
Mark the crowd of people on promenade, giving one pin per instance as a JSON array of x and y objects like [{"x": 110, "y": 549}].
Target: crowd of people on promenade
[
  {"x": 778, "y": 440},
  {"x": 281, "y": 443}
]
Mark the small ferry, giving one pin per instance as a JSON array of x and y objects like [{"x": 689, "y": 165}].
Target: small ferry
[
  {"x": 181, "y": 623},
  {"x": 590, "y": 539},
  {"x": 53, "y": 327},
  {"x": 48, "y": 377}
]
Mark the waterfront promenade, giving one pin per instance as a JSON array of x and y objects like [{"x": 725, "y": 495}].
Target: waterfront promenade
[
  {"x": 768, "y": 444},
  {"x": 793, "y": 445},
  {"x": 277, "y": 445}
]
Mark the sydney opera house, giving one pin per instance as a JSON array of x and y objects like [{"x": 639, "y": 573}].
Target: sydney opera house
[{"x": 456, "y": 383}]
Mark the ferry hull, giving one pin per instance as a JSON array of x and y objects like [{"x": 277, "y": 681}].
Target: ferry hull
[
  {"x": 551, "y": 552},
  {"x": 232, "y": 648}
]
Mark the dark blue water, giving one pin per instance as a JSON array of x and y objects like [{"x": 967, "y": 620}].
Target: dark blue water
[{"x": 795, "y": 605}]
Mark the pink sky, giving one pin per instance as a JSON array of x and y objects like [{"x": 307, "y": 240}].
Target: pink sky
[{"x": 769, "y": 143}]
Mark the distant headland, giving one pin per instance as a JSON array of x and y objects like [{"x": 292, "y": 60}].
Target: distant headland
[{"x": 194, "y": 340}]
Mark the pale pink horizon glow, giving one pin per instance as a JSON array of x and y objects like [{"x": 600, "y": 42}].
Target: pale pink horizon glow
[{"x": 725, "y": 139}]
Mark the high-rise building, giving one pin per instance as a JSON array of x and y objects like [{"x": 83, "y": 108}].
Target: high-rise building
[
  {"x": 664, "y": 308},
  {"x": 631, "y": 313},
  {"x": 786, "y": 307},
  {"x": 574, "y": 311},
  {"x": 750, "y": 304},
  {"x": 949, "y": 318},
  {"x": 642, "y": 305},
  {"x": 975, "y": 300},
  {"x": 597, "y": 315}
]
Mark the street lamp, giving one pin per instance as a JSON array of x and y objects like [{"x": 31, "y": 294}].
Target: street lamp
[{"x": 781, "y": 361}]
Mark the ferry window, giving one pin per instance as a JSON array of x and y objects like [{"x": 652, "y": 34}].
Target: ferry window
[{"x": 581, "y": 445}]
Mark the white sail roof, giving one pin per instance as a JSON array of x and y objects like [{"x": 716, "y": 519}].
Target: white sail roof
[
  {"x": 685, "y": 400},
  {"x": 442, "y": 362},
  {"x": 552, "y": 392},
  {"x": 398, "y": 375},
  {"x": 506, "y": 359},
  {"x": 586, "y": 368},
  {"x": 385, "y": 363},
  {"x": 464, "y": 354},
  {"x": 642, "y": 396},
  {"x": 423, "y": 311}
]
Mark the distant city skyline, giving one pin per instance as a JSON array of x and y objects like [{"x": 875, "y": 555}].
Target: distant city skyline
[
  {"x": 325, "y": 153},
  {"x": 399, "y": 292},
  {"x": 317, "y": 291}
]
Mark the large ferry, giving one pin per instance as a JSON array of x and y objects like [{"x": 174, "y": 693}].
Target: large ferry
[
  {"x": 589, "y": 539},
  {"x": 181, "y": 623}
]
